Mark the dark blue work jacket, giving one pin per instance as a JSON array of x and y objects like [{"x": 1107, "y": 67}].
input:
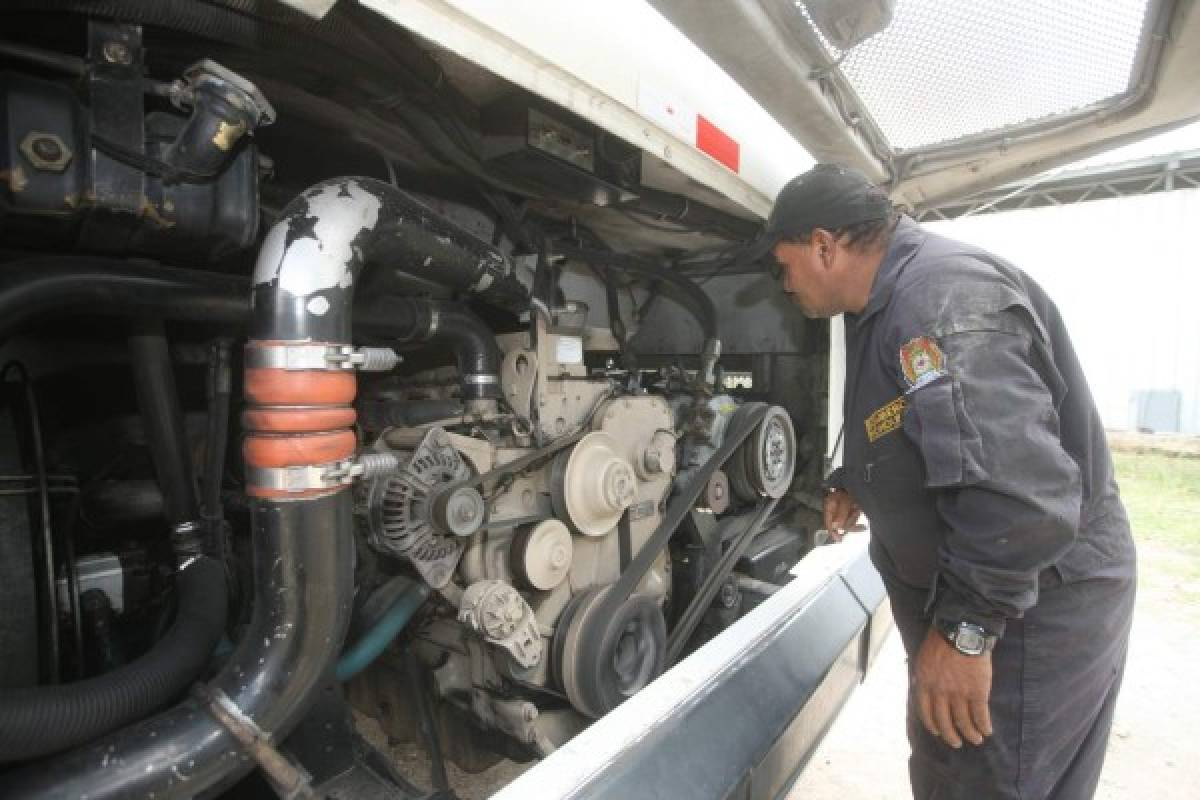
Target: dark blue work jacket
[{"x": 972, "y": 442}]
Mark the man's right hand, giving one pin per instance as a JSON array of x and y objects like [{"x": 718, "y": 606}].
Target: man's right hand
[{"x": 841, "y": 513}]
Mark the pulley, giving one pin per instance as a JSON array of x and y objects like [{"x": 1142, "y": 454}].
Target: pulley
[
  {"x": 541, "y": 554},
  {"x": 765, "y": 463},
  {"x": 593, "y": 484},
  {"x": 629, "y": 646}
]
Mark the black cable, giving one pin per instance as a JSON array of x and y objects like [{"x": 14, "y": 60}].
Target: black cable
[
  {"x": 59, "y": 62},
  {"x": 72, "y": 576},
  {"x": 149, "y": 164},
  {"x": 701, "y": 304},
  {"x": 631, "y": 215},
  {"x": 50, "y": 605}
]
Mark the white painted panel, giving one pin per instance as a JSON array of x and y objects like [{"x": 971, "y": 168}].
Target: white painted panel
[
  {"x": 595, "y": 58},
  {"x": 1125, "y": 273}
]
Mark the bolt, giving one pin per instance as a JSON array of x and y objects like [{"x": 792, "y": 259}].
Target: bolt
[
  {"x": 529, "y": 712},
  {"x": 116, "y": 53},
  {"x": 45, "y": 151},
  {"x": 47, "y": 148},
  {"x": 728, "y": 594}
]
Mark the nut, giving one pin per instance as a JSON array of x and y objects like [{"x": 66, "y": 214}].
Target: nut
[
  {"x": 116, "y": 53},
  {"x": 46, "y": 151}
]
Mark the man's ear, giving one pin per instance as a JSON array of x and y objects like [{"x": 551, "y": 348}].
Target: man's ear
[{"x": 823, "y": 243}]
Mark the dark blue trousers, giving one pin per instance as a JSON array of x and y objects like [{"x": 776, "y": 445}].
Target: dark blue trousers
[{"x": 1056, "y": 675}]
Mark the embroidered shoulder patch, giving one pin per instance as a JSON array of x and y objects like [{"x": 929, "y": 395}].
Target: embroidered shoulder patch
[
  {"x": 886, "y": 419},
  {"x": 922, "y": 361}
]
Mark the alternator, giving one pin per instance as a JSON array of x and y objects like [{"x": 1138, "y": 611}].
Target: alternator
[{"x": 416, "y": 513}]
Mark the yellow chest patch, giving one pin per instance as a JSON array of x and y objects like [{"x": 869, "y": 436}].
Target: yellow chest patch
[{"x": 885, "y": 420}]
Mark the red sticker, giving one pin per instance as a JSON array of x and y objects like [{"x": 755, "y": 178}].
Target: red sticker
[{"x": 717, "y": 143}]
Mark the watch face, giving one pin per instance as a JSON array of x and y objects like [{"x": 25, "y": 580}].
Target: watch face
[{"x": 970, "y": 640}]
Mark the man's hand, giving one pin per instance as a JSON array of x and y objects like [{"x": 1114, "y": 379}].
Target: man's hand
[
  {"x": 952, "y": 691},
  {"x": 841, "y": 513}
]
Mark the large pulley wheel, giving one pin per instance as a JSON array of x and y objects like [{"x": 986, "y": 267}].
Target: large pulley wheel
[
  {"x": 593, "y": 485},
  {"x": 764, "y": 465},
  {"x": 604, "y": 660}
]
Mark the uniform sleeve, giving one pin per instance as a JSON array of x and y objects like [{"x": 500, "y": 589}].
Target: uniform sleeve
[
  {"x": 986, "y": 424},
  {"x": 835, "y": 479}
]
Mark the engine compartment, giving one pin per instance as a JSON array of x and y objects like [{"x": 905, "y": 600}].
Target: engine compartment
[{"x": 489, "y": 485}]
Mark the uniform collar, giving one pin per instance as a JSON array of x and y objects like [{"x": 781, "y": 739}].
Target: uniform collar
[{"x": 906, "y": 241}]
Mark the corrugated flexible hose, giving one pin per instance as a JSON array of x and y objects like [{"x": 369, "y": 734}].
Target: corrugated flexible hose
[{"x": 40, "y": 720}]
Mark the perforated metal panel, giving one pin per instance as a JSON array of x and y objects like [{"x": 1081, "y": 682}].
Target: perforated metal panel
[{"x": 945, "y": 69}]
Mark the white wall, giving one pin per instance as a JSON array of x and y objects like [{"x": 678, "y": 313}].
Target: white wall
[{"x": 1125, "y": 273}]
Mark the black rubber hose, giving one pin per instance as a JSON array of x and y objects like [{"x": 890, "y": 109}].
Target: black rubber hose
[
  {"x": 400, "y": 237},
  {"x": 303, "y": 583},
  {"x": 37, "y": 287},
  {"x": 475, "y": 349},
  {"x": 693, "y": 214},
  {"x": 47, "y": 59},
  {"x": 162, "y": 419},
  {"x": 410, "y": 319},
  {"x": 218, "y": 388},
  {"x": 411, "y": 240},
  {"x": 377, "y": 415},
  {"x": 37, "y": 721}
]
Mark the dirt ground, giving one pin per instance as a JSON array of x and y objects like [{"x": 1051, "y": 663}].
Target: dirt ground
[{"x": 1154, "y": 751}]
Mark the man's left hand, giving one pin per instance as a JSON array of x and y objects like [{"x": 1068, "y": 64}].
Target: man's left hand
[{"x": 952, "y": 691}]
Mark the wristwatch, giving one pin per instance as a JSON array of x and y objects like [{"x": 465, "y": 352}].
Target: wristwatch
[{"x": 968, "y": 638}]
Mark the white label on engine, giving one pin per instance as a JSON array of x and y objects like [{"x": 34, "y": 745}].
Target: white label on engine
[{"x": 570, "y": 350}]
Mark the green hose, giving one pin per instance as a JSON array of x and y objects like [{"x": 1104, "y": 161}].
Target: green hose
[{"x": 368, "y": 647}]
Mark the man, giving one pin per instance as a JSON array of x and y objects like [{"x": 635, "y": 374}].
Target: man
[{"x": 974, "y": 447}]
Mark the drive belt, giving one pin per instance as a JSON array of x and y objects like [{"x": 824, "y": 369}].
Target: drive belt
[
  {"x": 744, "y": 421},
  {"x": 517, "y": 465}
]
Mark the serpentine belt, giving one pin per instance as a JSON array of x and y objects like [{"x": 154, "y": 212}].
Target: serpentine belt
[
  {"x": 517, "y": 464},
  {"x": 745, "y": 420}
]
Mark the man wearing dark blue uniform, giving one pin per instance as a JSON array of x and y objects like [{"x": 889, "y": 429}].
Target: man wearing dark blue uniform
[{"x": 974, "y": 447}]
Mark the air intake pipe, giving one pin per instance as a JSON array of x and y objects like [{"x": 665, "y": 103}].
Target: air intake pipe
[
  {"x": 299, "y": 452},
  {"x": 411, "y": 319}
]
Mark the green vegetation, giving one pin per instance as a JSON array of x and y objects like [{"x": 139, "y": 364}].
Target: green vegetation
[{"x": 1162, "y": 495}]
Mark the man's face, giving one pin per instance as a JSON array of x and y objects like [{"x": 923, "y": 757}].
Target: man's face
[{"x": 804, "y": 277}]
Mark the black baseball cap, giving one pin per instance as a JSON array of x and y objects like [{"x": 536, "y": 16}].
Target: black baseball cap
[{"x": 828, "y": 196}]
